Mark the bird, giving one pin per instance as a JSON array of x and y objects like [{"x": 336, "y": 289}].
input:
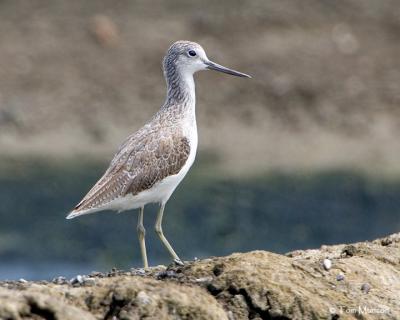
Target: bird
[{"x": 152, "y": 161}]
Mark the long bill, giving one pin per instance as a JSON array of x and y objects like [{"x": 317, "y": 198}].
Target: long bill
[{"x": 217, "y": 67}]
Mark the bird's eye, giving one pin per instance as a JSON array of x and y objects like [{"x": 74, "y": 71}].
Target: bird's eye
[{"x": 192, "y": 53}]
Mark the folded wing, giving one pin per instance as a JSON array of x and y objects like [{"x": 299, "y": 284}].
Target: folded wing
[{"x": 141, "y": 162}]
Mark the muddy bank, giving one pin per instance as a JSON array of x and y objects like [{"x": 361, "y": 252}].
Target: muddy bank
[{"x": 360, "y": 280}]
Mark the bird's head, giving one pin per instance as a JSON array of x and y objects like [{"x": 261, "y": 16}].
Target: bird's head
[{"x": 189, "y": 57}]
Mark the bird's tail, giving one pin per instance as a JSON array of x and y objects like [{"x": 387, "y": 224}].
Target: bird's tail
[{"x": 76, "y": 212}]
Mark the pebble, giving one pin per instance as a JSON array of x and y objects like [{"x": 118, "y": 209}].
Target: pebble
[
  {"x": 204, "y": 279},
  {"x": 22, "y": 280},
  {"x": 114, "y": 272},
  {"x": 179, "y": 262},
  {"x": 365, "y": 288},
  {"x": 78, "y": 280},
  {"x": 349, "y": 251},
  {"x": 166, "y": 274},
  {"x": 96, "y": 274},
  {"x": 327, "y": 264},
  {"x": 340, "y": 277},
  {"x": 138, "y": 272},
  {"x": 59, "y": 280}
]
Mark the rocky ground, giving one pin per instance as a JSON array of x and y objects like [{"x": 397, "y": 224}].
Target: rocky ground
[{"x": 360, "y": 281}]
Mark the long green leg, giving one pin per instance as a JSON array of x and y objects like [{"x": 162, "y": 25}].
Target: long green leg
[
  {"x": 164, "y": 240},
  {"x": 141, "y": 233}
]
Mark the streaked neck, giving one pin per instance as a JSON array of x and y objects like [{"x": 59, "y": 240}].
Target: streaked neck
[{"x": 180, "y": 88}]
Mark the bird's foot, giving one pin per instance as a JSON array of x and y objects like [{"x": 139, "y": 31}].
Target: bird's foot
[{"x": 178, "y": 262}]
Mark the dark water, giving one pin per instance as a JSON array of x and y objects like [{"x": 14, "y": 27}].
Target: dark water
[{"x": 208, "y": 215}]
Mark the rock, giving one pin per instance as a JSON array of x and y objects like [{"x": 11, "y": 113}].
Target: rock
[
  {"x": 255, "y": 285},
  {"x": 327, "y": 264},
  {"x": 340, "y": 277},
  {"x": 349, "y": 251},
  {"x": 167, "y": 274},
  {"x": 60, "y": 280},
  {"x": 96, "y": 274},
  {"x": 78, "y": 280},
  {"x": 138, "y": 272},
  {"x": 365, "y": 287},
  {"x": 204, "y": 279}
]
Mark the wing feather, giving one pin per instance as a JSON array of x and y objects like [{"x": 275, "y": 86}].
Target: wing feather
[{"x": 141, "y": 162}]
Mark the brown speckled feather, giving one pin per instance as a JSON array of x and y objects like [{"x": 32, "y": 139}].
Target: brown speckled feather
[{"x": 144, "y": 159}]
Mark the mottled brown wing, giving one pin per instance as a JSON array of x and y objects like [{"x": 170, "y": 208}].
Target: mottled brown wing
[
  {"x": 167, "y": 157},
  {"x": 141, "y": 162}
]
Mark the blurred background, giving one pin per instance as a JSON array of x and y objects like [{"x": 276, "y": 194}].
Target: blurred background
[{"x": 306, "y": 153}]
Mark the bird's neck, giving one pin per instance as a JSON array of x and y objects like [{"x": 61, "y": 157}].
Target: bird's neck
[{"x": 180, "y": 90}]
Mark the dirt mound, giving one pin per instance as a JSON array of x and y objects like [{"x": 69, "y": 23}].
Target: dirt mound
[{"x": 359, "y": 280}]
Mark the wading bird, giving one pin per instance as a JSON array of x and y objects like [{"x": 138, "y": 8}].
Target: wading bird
[{"x": 151, "y": 162}]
